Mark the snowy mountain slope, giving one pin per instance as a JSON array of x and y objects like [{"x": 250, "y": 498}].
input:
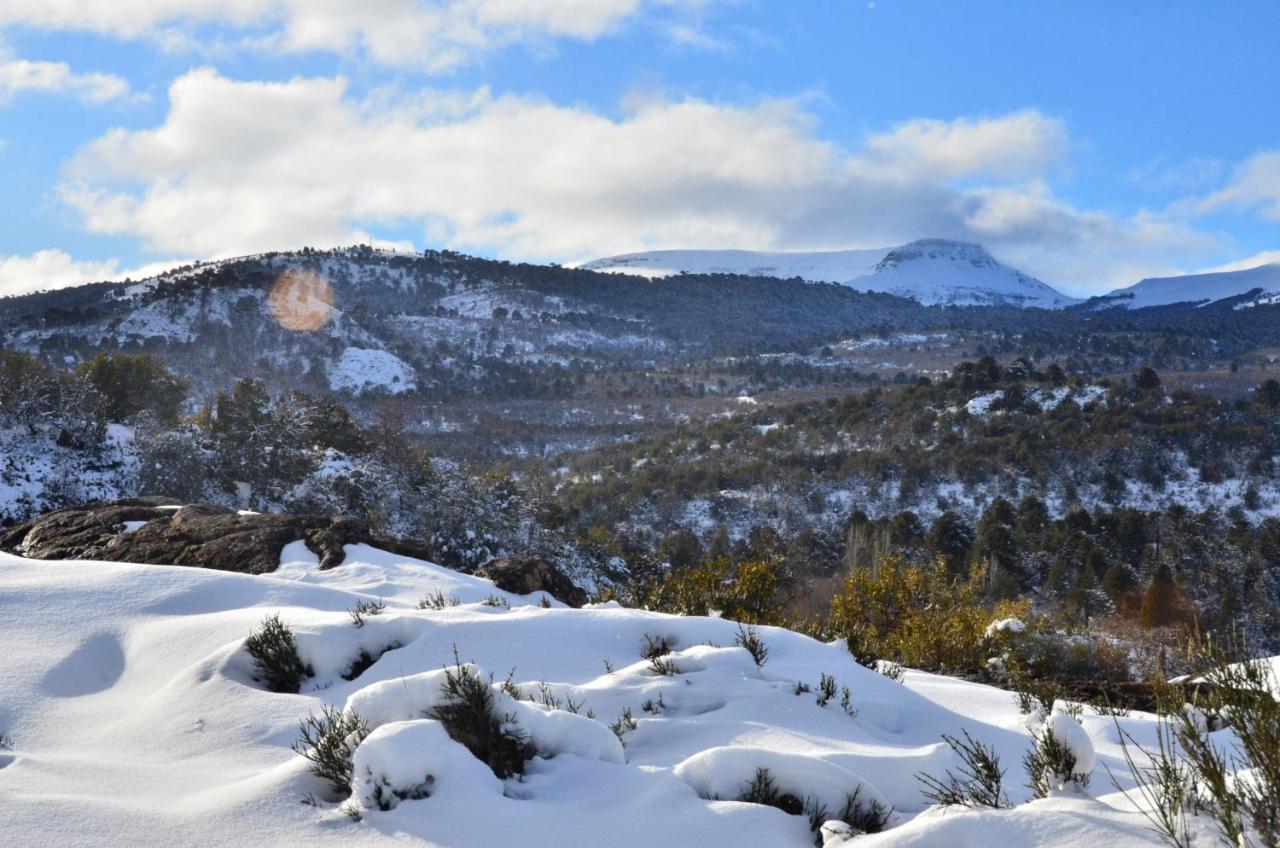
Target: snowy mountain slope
[
  {"x": 369, "y": 324},
  {"x": 1263, "y": 282},
  {"x": 132, "y": 716},
  {"x": 930, "y": 271},
  {"x": 830, "y": 266}
]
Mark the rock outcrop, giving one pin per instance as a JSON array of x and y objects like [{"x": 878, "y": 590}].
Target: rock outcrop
[
  {"x": 526, "y": 575},
  {"x": 152, "y": 530}
]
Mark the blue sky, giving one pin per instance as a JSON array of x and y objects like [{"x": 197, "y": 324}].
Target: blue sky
[{"x": 1090, "y": 144}]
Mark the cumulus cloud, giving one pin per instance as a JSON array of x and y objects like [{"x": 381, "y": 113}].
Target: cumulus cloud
[
  {"x": 1018, "y": 145},
  {"x": 431, "y": 34},
  {"x": 21, "y": 75},
  {"x": 46, "y": 270},
  {"x": 527, "y": 178}
]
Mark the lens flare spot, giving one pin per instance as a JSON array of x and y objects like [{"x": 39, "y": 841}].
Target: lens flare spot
[{"x": 301, "y": 300}]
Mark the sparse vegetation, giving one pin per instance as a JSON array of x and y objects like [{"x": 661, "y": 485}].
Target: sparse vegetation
[
  {"x": 1164, "y": 788},
  {"x": 872, "y": 817},
  {"x": 437, "y": 601},
  {"x": 1241, "y": 783},
  {"x": 363, "y": 608},
  {"x": 624, "y": 725}
]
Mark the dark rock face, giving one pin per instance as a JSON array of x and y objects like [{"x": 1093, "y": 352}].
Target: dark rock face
[
  {"x": 525, "y": 575},
  {"x": 199, "y": 535}
]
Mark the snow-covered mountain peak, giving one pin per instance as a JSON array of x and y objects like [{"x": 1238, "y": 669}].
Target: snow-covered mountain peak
[
  {"x": 938, "y": 249},
  {"x": 957, "y": 273}
]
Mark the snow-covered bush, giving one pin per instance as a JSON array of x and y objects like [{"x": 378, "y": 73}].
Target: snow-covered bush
[
  {"x": 469, "y": 715},
  {"x": 1061, "y": 757},
  {"x": 275, "y": 655}
]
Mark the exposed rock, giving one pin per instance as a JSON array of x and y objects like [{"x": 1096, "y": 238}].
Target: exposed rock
[
  {"x": 525, "y": 575},
  {"x": 199, "y": 535}
]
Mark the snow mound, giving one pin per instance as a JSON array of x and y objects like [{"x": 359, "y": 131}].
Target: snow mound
[
  {"x": 724, "y": 772},
  {"x": 415, "y": 760},
  {"x": 1071, "y": 735},
  {"x": 551, "y": 731}
]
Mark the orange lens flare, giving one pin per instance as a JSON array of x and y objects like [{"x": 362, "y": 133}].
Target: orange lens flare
[{"x": 301, "y": 300}]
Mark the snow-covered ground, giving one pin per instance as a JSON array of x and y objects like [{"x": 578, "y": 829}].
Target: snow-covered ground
[
  {"x": 133, "y": 717},
  {"x": 363, "y": 369}
]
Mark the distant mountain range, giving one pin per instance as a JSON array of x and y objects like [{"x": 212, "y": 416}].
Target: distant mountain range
[
  {"x": 939, "y": 272},
  {"x": 439, "y": 326},
  {"x": 933, "y": 272}
]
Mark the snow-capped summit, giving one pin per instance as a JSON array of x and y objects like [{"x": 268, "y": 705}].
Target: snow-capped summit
[
  {"x": 956, "y": 273},
  {"x": 1262, "y": 283},
  {"x": 930, "y": 271}
]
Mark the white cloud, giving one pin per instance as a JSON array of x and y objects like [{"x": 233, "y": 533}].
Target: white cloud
[
  {"x": 21, "y": 75},
  {"x": 46, "y": 270},
  {"x": 1255, "y": 184},
  {"x": 1187, "y": 175},
  {"x": 1017, "y": 145},
  {"x": 531, "y": 179},
  {"x": 1266, "y": 257},
  {"x": 432, "y": 34}
]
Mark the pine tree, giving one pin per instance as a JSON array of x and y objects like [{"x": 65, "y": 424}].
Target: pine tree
[
  {"x": 1162, "y": 603},
  {"x": 1121, "y": 585}
]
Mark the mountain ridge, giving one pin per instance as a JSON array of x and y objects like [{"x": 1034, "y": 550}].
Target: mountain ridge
[
  {"x": 1203, "y": 289},
  {"x": 931, "y": 271}
]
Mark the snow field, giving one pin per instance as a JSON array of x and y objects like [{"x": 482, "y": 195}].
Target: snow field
[{"x": 134, "y": 712}]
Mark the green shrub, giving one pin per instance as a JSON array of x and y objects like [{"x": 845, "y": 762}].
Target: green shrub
[
  {"x": 329, "y": 741},
  {"x": 981, "y": 780},
  {"x": 470, "y": 717},
  {"x": 275, "y": 655},
  {"x": 748, "y": 637}
]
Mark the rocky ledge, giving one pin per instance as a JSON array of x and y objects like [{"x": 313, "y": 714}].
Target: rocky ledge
[{"x": 155, "y": 531}]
